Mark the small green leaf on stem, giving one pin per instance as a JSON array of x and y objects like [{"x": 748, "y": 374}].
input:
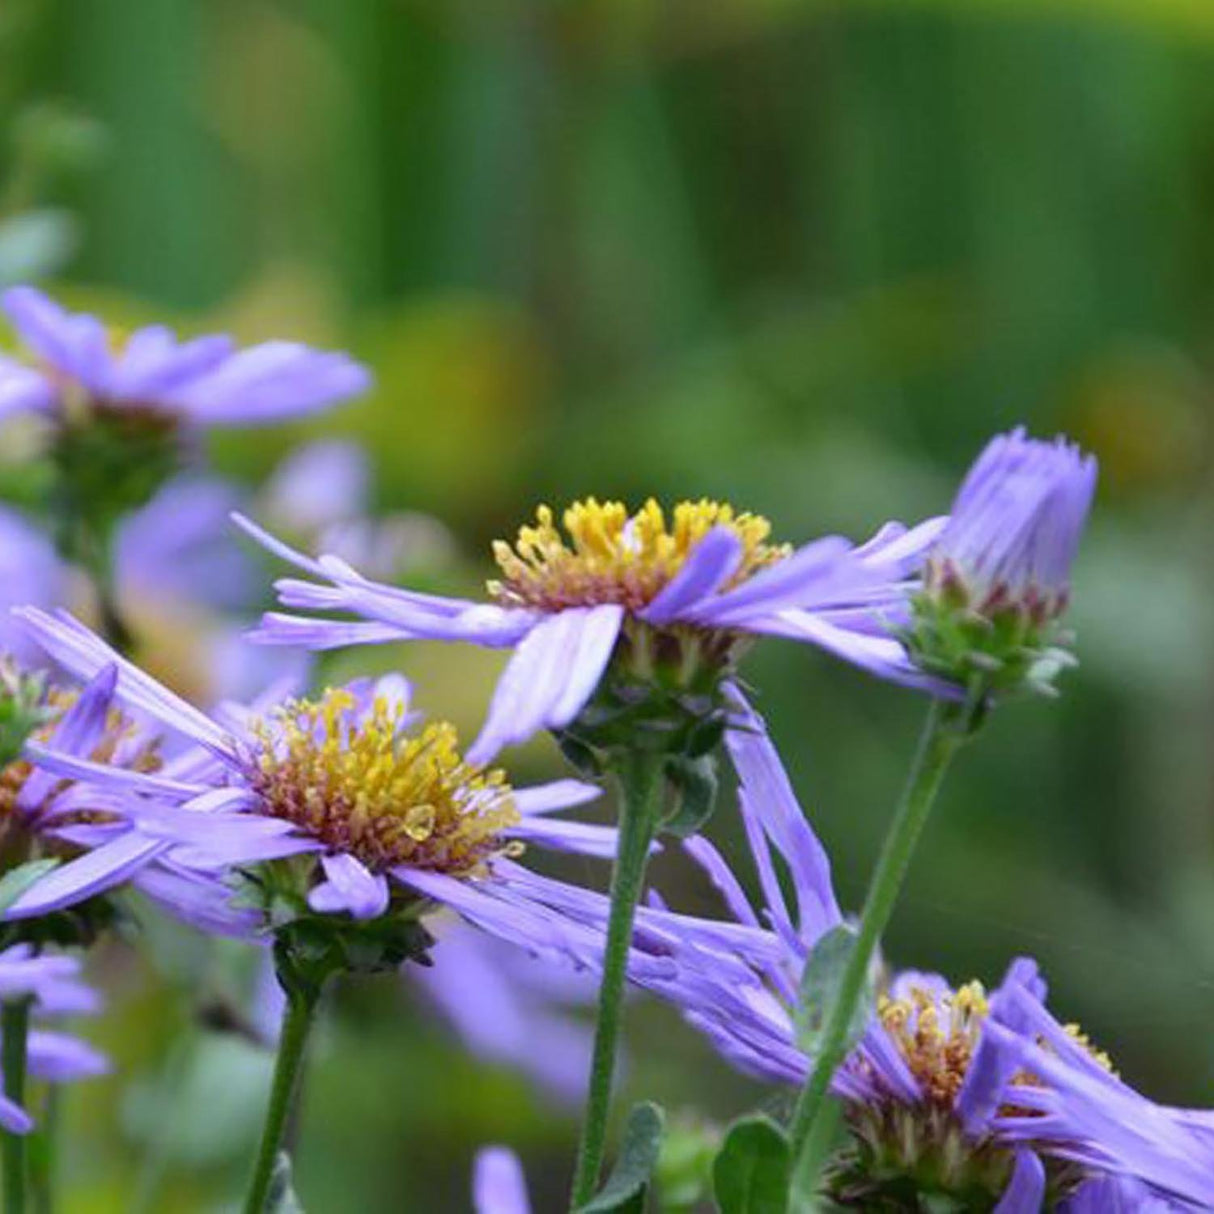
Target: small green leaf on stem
[
  {"x": 624, "y": 1192},
  {"x": 820, "y": 983},
  {"x": 696, "y": 782},
  {"x": 750, "y": 1175}
]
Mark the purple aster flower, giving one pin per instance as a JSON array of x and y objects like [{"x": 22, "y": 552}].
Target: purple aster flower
[
  {"x": 677, "y": 597},
  {"x": 498, "y": 1183},
  {"x": 948, "y": 1088},
  {"x": 53, "y": 984},
  {"x": 45, "y": 816},
  {"x": 320, "y": 496},
  {"x": 998, "y": 576},
  {"x": 370, "y": 812},
  {"x": 203, "y": 382}
]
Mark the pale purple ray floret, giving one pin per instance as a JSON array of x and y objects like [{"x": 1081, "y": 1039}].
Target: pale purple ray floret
[
  {"x": 217, "y": 819},
  {"x": 206, "y": 381},
  {"x": 843, "y": 598},
  {"x": 53, "y": 984},
  {"x": 1074, "y": 1110}
]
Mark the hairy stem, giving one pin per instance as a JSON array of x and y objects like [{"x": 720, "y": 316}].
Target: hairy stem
[
  {"x": 298, "y": 1015},
  {"x": 641, "y": 783},
  {"x": 811, "y": 1130}
]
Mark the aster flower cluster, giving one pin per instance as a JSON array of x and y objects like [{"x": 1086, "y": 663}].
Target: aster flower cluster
[{"x": 331, "y": 829}]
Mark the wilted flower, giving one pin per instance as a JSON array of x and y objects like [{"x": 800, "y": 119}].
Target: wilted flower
[
  {"x": 53, "y": 985},
  {"x": 950, "y": 1090},
  {"x": 338, "y": 812},
  {"x": 663, "y": 606},
  {"x": 997, "y": 579}
]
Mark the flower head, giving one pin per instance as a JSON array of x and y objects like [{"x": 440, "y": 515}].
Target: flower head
[
  {"x": 149, "y": 378},
  {"x": 974, "y": 1096},
  {"x": 997, "y": 578},
  {"x": 343, "y": 816},
  {"x": 627, "y": 623}
]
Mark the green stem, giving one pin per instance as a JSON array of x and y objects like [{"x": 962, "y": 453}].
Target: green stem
[
  {"x": 296, "y": 1023},
  {"x": 641, "y": 783},
  {"x": 811, "y": 1131},
  {"x": 14, "y": 1025},
  {"x": 43, "y": 1153}
]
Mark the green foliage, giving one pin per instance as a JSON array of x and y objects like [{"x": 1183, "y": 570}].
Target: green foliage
[
  {"x": 625, "y": 1189},
  {"x": 820, "y": 982},
  {"x": 751, "y": 1173}
]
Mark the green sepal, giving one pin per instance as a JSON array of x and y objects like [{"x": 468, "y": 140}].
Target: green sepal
[
  {"x": 751, "y": 1172},
  {"x": 624, "y": 1192},
  {"x": 695, "y": 783},
  {"x": 17, "y": 880},
  {"x": 819, "y": 989}
]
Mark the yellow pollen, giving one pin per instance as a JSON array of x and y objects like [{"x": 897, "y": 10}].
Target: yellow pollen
[
  {"x": 360, "y": 786},
  {"x": 610, "y": 556},
  {"x": 936, "y": 1036}
]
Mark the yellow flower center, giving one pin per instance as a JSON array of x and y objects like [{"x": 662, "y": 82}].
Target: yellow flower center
[
  {"x": 609, "y": 556},
  {"x": 358, "y": 784},
  {"x": 937, "y": 1037}
]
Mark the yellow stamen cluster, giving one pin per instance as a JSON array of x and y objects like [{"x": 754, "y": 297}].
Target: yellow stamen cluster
[
  {"x": 356, "y": 783},
  {"x": 611, "y": 556},
  {"x": 937, "y": 1036}
]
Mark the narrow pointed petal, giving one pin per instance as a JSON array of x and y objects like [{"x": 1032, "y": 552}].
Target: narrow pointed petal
[
  {"x": 707, "y": 568},
  {"x": 498, "y": 1185}
]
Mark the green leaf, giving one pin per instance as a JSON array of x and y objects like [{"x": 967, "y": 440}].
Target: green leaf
[
  {"x": 624, "y": 1192},
  {"x": 750, "y": 1175},
  {"x": 696, "y": 782},
  {"x": 820, "y": 982},
  {"x": 281, "y": 1198},
  {"x": 13, "y": 884}
]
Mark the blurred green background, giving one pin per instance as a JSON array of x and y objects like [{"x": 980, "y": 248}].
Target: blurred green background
[{"x": 805, "y": 257}]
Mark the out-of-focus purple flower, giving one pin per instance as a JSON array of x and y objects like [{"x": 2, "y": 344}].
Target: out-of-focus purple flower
[
  {"x": 377, "y": 817},
  {"x": 53, "y": 984},
  {"x": 948, "y": 1087},
  {"x": 317, "y": 485},
  {"x": 180, "y": 548},
  {"x": 203, "y": 382},
  {"x": 509, "y": 1008},
  {"x": 498, "y": 1183},
  {"x": 623, "y": 584},
  {"x": 30, "y": 573}
]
